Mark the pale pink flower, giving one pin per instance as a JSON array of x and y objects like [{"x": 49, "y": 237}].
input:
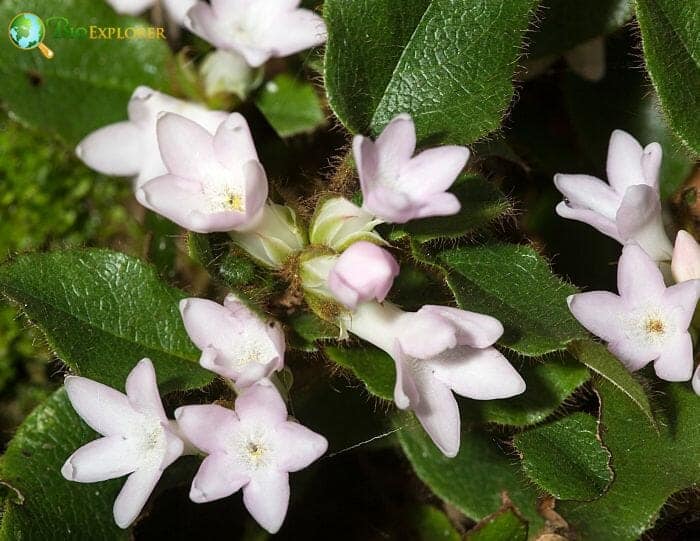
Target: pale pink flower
[
  {"x": 647, "y": 321},
  {"x": 437, "y": 351},
  {"x": 253, "y": 448},
  {"x": 130, "y": 148},
  {"x": 398, "y": 186},
  {"x": 235, "y": 342},
  {"x": 176, "y": 9},
  {"x": 257, "y": 29},
  {"x": 139, "y": 440},
  {"x": 685, "y": 262},
  {"x": 628, "y": 209},
  {"x": 362, "y": 273},
  {"x": 214, "y": 183}
]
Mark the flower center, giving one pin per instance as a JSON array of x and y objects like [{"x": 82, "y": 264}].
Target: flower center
[
  {"x": 225, "y": 198},
  {"x": 152, "y": 441},
  {"x": 254, "y": 451},
  {"x": 655, "y": 326}
]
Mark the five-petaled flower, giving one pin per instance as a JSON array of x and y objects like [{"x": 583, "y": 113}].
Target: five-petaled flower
[
  {"x": 629, "y": 208},
  {"x": 139, "y": 440},
  {"x": 647, "y": 321},
  {"x": 438, "y": 350},
  {"x": 253, "y": 448},
  {"x": 257, "y": 29},
  {"x": 130, "y": 148},
  {"x": 397, "y": 186},
  {"x": 215, "y": 183},
  {"x": 235, "y": 342},
  {"x": 362, "y": 273}
]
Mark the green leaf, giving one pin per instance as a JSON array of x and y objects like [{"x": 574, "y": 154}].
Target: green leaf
[
  {"x": 449, "y": 63},
  {"x": 370, "y": 364},
  {"x": 290, "y": 106},
  {"x": 566, "y": 458},
  {"x": 671, "y": 41},
  {"x": 622, "y": 100},
  {"x": 41, "y": 504},
  {"x": 430, "y": 524},
  {"x": 567, "y": 23},
  {"x": 515, "y": 285},
  {"x": 310, "y": 329},
  {"x": 503, "y": 525},
  {"x": 482, "y": 202},
  {"x": 473, "y": 480},
  {"x": 649, "y": 466},
  {"x": 104, "y": 311},
  {"x": 88, "y": 83},
  {"x": 549, "y": 384},
  {"x": 597, "y": 357}
]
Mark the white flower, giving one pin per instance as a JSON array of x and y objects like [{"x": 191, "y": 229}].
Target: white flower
[
  {"x": 257, "y": 29},
  {"x": 139, "y": 440},
  {"x": 130, "y": 148}
]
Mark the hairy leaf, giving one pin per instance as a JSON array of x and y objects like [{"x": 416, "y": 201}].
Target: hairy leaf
[
  {"x": 515, "y": 285},
  {"x": 370, "y": 364},
  {"x": 88, "y": 82},
  {"x": 472, "y": 481},
  {"x": 40, "y": 504},
  {"x": 104, "y": 311},
  {"x": 671, "y": 40},
  {"x": 597, "y": 357},
  {"x": 566, "y": 458},
  {"x": 448, "y": 63},
  {"x": 503, "y": 525},
  {"x": 649, "y": 466}
]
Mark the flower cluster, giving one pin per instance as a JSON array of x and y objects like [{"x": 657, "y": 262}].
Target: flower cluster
[
  {"x": 647, "y": 321},
  {"x": 252, "y": 447}
]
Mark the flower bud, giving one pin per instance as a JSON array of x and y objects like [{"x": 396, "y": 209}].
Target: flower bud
[
  {"x": 273, "y": 237},
  {"x": 685, "y": 262},
  {"x": 338, "y": 223},
  {"x": 362, "y": 273},
  {"x": 226, "y": 72}
]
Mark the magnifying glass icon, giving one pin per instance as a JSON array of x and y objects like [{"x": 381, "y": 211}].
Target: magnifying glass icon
[{"x": 27, "y": 32}]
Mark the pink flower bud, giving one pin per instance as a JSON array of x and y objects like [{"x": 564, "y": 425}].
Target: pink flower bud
[
  {"x": 685, "y": 263},
  {"x": 363, "y": 272}
]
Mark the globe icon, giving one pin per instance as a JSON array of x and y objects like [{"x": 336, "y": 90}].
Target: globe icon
[{"x": 27, "y": 32}]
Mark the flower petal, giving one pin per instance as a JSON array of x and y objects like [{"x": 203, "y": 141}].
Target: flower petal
[
  {"x": 218, "y": 477},
  {"x": 396, "y": 144},
  {"x": 696, "y": 381},
  {"x": 438, "y": 412},
  {"x": 209, "y": 427},
  {"x": 105, "y": 410},
  {"x": 183, "y": 201},
  {"x": 102, "y": 459},
  {"x": 177, "y": 9},
  {"x": 633, "y": 354},
  {"x": 267, "y": 497},
  {"x": 298, "y": 446},
  {"x": 142, "y": 390},
  {"x": 473, "y": 329},
  {"x": 367, "y": 162},
  {"x": 426, "y": 334},
  {"x": 639, "y": 220},
  {"x": 592, "y": 218},
  {"x": 651, "y": 164},
  {"x": 433, "y": 171},
  {"x": 601, "y": 312},
  {"x": 186, "y": 147},
  {"x": 624, "y": 165},
  {"x": 116, "y": 150},
  {"x": 482, "y": 374},
  {"x": 202, "y": 21},
  {"x": 441, "y": 204},
  {"x": 638, "y": 277},
  {"x": 233, "y": 142},
  {"x": 405, "y": 389},
  {"x": 134, "y": 495},
  {"x": 682, "y": 300},
  {"x": 292, "y": 32},
  {"x": 256, "y": 191},
  {"x": 676, "y": 360},
  {"x": 587, "y": 192},
  {"x": 130, "y": 7},
  {"x": 261, "y": 403}
]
